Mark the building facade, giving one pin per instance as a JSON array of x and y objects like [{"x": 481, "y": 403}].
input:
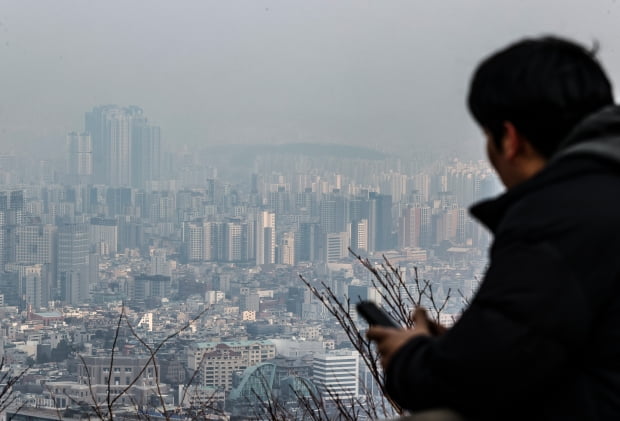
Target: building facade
[{"x": 336, "y": 375}]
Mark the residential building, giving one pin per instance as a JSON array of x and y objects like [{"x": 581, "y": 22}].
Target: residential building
[{"x": 217, "y": 362}]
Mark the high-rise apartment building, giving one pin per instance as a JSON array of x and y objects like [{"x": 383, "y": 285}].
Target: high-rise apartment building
[
  {"x": 110, "y": 129},
  {"x": 266, "y": 238},
  {"x": 4, "y": 244},
  {"x": 159, "y": 265},
  {"x": 34, "y": 243},
  {"x": 295, "y": 298},
  {"x": 233, "y": 242},
  {"x": 12, "y": 206},
  {"x": 337, "y": 245},
  {"x": 422, "y": 185},
  {"x": 205, "y": 241},
  {"x": 280, "y": 200},
  {"x": 193, "y": 241},
  {"x": 410, "y": 225},
  {"x": 79, "y": 157},
  {"x": 4, "y": 201},
  {"x": 33, "y": 286},
  {"x": 11, "y": 215},
  {"x": 333, "y": 214},
  {"x": 380, "y": 236},
  {"x": 118, "y": 201},
  {"x": 16, "y": 200},
  {"x": 4, "y": 234},
  {"x": 126, "y": 149},
  {"x": 446, "y": 224},
  {"x": 145, "y": 287},
  {"x": 103, "y": 236},
  {"x": 359, "y": 235},
  {"x": 287, "y": 249},
  {"x": 130, "y": 233},
  {"x": 426, "y": 227},
  {"x": 145, "y": 153},
  {"x": 74, "y": 271}
]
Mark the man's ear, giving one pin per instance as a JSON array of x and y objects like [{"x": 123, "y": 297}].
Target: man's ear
[{"x": 512, "y": 142}]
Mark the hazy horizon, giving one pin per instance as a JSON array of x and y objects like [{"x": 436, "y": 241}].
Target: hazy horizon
[{"x": 380, "y": 75}]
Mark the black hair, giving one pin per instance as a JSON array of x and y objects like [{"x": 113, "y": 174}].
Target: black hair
[{"x": 543, "y": 86}]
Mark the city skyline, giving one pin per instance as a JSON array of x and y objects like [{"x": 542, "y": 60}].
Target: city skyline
[
  {"x": 195, "y": 197},
  {"x": 226, "y": 237},
  {"x": 112, "y": 197}
]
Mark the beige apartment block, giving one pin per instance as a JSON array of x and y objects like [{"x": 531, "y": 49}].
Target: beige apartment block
[{"x": 217, "y": 362}]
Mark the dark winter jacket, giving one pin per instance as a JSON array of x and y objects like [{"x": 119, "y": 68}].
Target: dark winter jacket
[{"x": 541, "y": 338}]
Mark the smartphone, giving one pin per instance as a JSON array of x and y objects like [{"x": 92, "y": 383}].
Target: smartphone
[{"x": 375, "y": 315}]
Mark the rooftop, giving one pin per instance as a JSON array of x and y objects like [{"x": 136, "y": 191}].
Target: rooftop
[{"x": 233, "y": 343}]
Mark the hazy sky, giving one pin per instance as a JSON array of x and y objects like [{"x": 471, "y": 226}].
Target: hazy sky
[{"x": 380, "y": 74}]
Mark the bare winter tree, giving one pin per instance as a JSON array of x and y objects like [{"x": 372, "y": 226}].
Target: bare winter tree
[
  {"x": 399, "y": 298},
  {"x": 106, "y": 410},
  {"x": 310, "y": 405},
  {"x": 7, "y": 381}
]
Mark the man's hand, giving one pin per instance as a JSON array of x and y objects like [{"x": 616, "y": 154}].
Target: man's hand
[{"x": 390, "y": 340}]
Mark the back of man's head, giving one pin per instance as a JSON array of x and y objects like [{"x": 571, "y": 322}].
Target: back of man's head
[{"x": 543, "y": 86}]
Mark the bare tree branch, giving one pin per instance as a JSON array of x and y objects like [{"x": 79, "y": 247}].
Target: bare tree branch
[{"x": 399, "y": 298}]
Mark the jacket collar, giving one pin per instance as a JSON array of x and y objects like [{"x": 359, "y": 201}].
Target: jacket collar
[{"x": 597, "y": 137}]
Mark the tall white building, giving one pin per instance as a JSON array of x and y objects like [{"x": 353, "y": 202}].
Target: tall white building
[
  {"x": 359, "y": 235},
  {"x": 210, "y": 241},
  {"x": 79, "y": 157},
  {"x": 337, "y": 245},
  {"x": 110, "y": 129},
  {"x": 287, "y": 249},
  {"x": 159, "y": 264},
  {"x": 34, "y": 243},
  {"x": 73, "y": 263},
  {"x": 336, "y": 374},
  {"x": 145, "y": 153},
  {"x": 117, "y": 130},
  {"x": 4, "y": 249},
  {"x": 103, "y": 236},
  {"x": 32, "y": 285},
  {"x": 126, "y": 149},
  {"x": 193, "y": 241},
  {"x": 266, "y": 238},
  {"x": 201, "y": 241},
  {"x": 233, "y": 242},
  {"x": 409, "y": 229}
]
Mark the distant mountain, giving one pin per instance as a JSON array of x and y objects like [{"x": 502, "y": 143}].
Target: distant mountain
[{"x": 308, "y": 149}]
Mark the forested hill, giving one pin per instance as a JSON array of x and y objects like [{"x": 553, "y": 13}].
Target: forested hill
[{"x": 307, "y": 149}]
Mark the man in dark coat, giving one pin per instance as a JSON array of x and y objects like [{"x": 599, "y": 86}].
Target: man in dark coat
[{"x": 541, "y": 338}]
